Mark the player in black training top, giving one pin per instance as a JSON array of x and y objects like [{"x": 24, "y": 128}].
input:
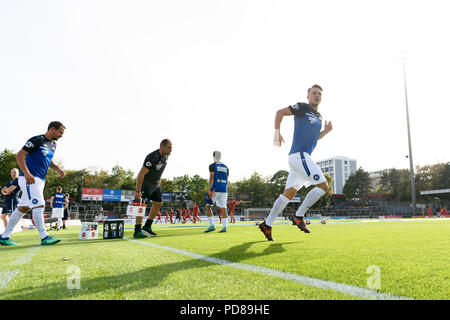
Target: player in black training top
[
  {"x": 148, "y": 186},
  {"x": 11, "y": 193}
]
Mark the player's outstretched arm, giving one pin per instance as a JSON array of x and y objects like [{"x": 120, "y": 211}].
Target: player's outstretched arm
[
  {"x": 58, "y": 169},
  {"x": 328, "y": 128},
  {"x": 278, "y": 138}
]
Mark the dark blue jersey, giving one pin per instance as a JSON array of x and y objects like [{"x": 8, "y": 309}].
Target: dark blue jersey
[
  {"x": 15, "y": 192},
  {"x": 58, "y": 200},
  {"x": 308, "y": 123},
  {"x": 221, "y": 173},
  {"x": 40, "y": 154}
]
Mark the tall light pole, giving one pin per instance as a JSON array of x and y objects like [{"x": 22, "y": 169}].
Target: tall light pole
[{"x": 411, "y": 165}]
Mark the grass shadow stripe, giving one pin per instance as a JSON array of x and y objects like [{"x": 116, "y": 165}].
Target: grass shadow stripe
[{"x": 318, "y": 283}]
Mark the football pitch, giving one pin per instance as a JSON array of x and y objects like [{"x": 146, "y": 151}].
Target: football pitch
[{"x": 378, "y": 259}]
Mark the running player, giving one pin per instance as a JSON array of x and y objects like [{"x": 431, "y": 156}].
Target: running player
[
  {"x": 303, "y": 170},
  {"x": 159, "y": 217},
  {"x": 171, "y": 215},
  {"x": 232, "y": 204},
  {"x": 195, "y": 213},
  {"x": 148, "y": 186},
  {"x": 166, "y": 213},
  {"x": 217, "y": 193},
  {"x": 34, "y": 159},
  {"x": 188, "y": 215},
  {"x": 11, "y": 193},
  {"x": 58, "y": 201},
  {"x": 178, "y": 216}
]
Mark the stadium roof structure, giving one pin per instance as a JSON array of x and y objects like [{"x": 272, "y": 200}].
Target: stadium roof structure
[{"x": 441, "y": 194}]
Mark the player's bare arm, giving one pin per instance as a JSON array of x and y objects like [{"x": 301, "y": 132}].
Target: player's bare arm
[
  {"x": 328, "y": 128},
  {"x": 20, "y": 157},
  {"x": 8, "y": 190},
  {"x": 278, "y": 138},
  {"x": 58, "y": 169},
  {"x": 139, "y": 181},
  {"x": 211, "y": 182}
]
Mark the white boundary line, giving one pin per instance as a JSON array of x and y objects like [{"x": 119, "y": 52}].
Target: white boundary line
[
  {"x": 7, "y": 276},
  {"x": 327, "y": 285}
]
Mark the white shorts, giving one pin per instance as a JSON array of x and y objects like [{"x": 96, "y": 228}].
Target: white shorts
[
  {"x": 220, "y": 198},
  {"x": 57, "y": 212},
  {"x": 303, "y": 172},
  {"x": 32, "y": 194}
]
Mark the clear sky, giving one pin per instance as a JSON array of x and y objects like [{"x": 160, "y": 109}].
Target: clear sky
[{"x": 210, "y": 75}]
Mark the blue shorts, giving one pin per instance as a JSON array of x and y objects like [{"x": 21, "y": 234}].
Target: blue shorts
[{"x": 9, "y": 205}]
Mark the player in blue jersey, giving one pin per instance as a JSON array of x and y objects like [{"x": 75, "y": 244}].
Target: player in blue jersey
[
  {"x": 58, "y": 202},
  {"x": 11, "y": 193},
  {"x": 303, "y": 170},
  {"x": 217, "y": 193},
  {"x": 34, "y": 159}
]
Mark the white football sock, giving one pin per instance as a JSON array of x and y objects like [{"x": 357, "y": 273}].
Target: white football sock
[
  {"x": 211, "y": 221},
  {"x": 38, "y": 217},
  {"x": 224, "y": 222},
  {"x": 59, "y": 223},
  {"x": 13, "y": 221},
  {"x": 278, "y": 207},
  {"x": 312, "y": 197}
]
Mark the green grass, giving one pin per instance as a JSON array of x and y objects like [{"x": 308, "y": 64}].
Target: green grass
[{"x": 413, "y": 258}]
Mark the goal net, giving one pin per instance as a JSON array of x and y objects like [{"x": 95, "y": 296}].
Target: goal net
[{"x": 253, "y": 214}]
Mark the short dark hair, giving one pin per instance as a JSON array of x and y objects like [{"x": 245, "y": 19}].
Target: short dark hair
[
  {"x": 315, "y": 86},
  {"x": 56, "y": 125},
  {"x": 164, "y": 143}
]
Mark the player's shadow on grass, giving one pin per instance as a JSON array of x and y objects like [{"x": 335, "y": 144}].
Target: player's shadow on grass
[{"x": 137, "y": 281}]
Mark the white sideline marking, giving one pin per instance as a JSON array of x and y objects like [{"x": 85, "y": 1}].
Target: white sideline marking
[
  {"x": 27, "y": 256},
  {"x": 7, "y": 276},
  {"x": 340, "y": 287}
]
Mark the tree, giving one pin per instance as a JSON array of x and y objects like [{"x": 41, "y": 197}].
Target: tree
[
  {"x": 168, "y": 185},
  {"x": 278, "y": 183},
  {"x": 120, "y": 179},
  {"x": 181, "y": 183},
  {"x": 257, "y": 186},
  {"x": 7, "y": 162},
  {"x": 197, "y": 188},
  {"x": 72, "y": 183},
  {"x": 443, "y": 179},
  {"x": 358, "y": 185}
]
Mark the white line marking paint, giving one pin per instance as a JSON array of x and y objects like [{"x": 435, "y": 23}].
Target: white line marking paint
[
  {"x": 328, "y": 285},
  {"x": 7, "y": 276},
  {"x": 27, "y": 256}
]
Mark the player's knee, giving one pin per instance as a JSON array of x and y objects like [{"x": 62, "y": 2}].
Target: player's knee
[
  {"x": 290, "y": 193},
  {"x": 23, "y": 209},
  {"x": 157, "y": 204},
  {"x": 324, "y": 186}
]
